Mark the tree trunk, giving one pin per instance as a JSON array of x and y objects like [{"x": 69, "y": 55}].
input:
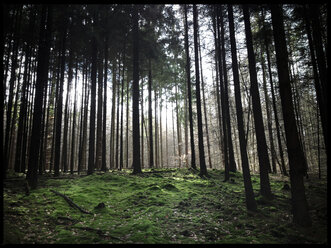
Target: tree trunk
[
  {"x": 112, "y": 127},
  {"x": 203, "y": 168},
  {"x": 98, "y": 153},
  {"x": 257, "y": 111},
  {"x": 91, "y": 157},
  {"x": 189, "y": 91},
  {"x": 250, "y": 201},
  {"x": 150, "y": 120},
  {"x": 104, "y": 140},
  {"x": 135, "y": 94},
  {"x": 232, "y": 162},
  {"x": 42, "y": 78},
  {"x": 296, "y": 158},
  {"x": 60, "y": 100}
]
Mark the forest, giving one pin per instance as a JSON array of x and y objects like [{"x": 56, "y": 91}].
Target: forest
[{"x": 164, "y": 123}]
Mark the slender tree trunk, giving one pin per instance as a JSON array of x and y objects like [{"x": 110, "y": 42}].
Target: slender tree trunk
[
  {"x": 296, "y": 157},
  {"x": 42, "y": 78},
  {"x": 91, "y": 156},
  {"x": 23, "y": 106},
  {"x": 232, "y": 162},
  {"x": 280, "y": 147},
  {"x": 66, "y": 117},
  {"x": 320, "y": 98},
  {"x": 179, "y": 138},
  {"x": 127, "y": 123},
  {"x": 98, "y": 153},
  {"x": 217, "y": 87},
  {"x": 104, "y": 126},
  {"x": 112, "y": 127},
  {"x": 220, "y": 86},
  {"x": 117, "y": 116},
  {"x": 203, "y": 168},
  {"x": 135, "y": 94},
  {"x": 73, "y": 137},
  {"x": 204, "y": 104},
  {"x": 60, "y": 100},
  {"x": 122, "y": 92},
  {"x": 13, "y": 75},
  {"x": 156, "y": 128},
  {"x": 250, "y": 201},
  {"x": 150, "y": 117},
  {"x": 257, "y": 111},
  {"x": 142, "y": 124},
  {"x": 189, "y": 91}
]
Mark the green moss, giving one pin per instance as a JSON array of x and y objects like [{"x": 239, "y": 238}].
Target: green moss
[{"x": 177, "y": 206}]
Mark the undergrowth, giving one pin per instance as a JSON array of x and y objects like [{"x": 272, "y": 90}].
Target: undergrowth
[{"x": 161, "y": 206}]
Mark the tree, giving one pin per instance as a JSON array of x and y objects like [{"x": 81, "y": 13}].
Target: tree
[
  {"x": 203, "y": 168},
  {"x": 42, "y": 78},
  {"x": 135, "y": 93},
  {"x": 250, "y": 200},
  {"x": 189, "y": 90},
  {"x": 60, "y": 97},
  {"x": 257, "y": 111},
  {"x": 94, "y": 51},
  {"x": 300, "y": 209}
]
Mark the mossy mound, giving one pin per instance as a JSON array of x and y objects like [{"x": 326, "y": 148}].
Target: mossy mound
[{"x": 176, "y": 207}]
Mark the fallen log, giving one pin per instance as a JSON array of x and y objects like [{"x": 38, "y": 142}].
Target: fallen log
[{"x": 70, "y": 202}]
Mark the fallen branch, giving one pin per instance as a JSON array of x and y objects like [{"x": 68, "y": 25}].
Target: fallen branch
[
  {"x": 70, "y": 202},
  {"x": 98, "y": 231}
]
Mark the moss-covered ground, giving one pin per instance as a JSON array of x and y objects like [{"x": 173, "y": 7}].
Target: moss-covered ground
[{"x": 163, "y": 206}]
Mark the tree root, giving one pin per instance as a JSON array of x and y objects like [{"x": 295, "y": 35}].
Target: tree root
[{"x": 70, "y": 202}]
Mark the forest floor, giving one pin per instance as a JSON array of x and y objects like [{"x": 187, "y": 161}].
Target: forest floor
[{"x": 169, "y": 206}]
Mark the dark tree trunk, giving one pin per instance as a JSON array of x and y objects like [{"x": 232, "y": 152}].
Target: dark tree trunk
[
  {"x": 322, "y": 104},
  {"x": 122, "y": 93},
  {"x": 91, "y": 157},
  {"x": 13, "y": 75},
  {"x": 98, "y": 153},
  {"x": 220, "y": 87},
  {"x": 66, "y": 115},
  {"x": 189, "y": 91},
  {"x": 280, "y": 147},
  {"x": 232, "y": 162},
  {"x": 42, "y": 78},
  {"x": 250, "y": 200},
  {"x": 150, "y": 120},
  {"x": 203, "y": 168},
  {"x": 23, "y": 107},
  {"x": 59, "y": 101},
  {"x": 112, "y": 126},
  {"x": 296, "y": 157},
  {"x": 257, "y": 111},
  {"x": 104, "y": 140},
  {"x": 135, "y": 94},
  {"x": 73, "y": 137}
]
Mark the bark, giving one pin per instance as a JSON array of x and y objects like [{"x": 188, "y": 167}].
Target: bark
[
  {"x": 59, "y": 100},
  {"x": 42, "y": 78},
  {"x": 189, "y": 91},
  {"x": 232, "y": 162},
  {"x": 150, "y": 120},
  {"x": 135, "y": 94},
  {"x": 250, "y": 201},
  {"x": 203, "y": 168},
  {"x": 296, "y": 157},
  {"x": 104, "y": 141},
  {"x": 257, "y": 111},
  {"x": 91, "y": 157}
]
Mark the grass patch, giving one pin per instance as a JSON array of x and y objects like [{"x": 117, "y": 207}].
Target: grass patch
[{"x": 160, "y": 206}]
